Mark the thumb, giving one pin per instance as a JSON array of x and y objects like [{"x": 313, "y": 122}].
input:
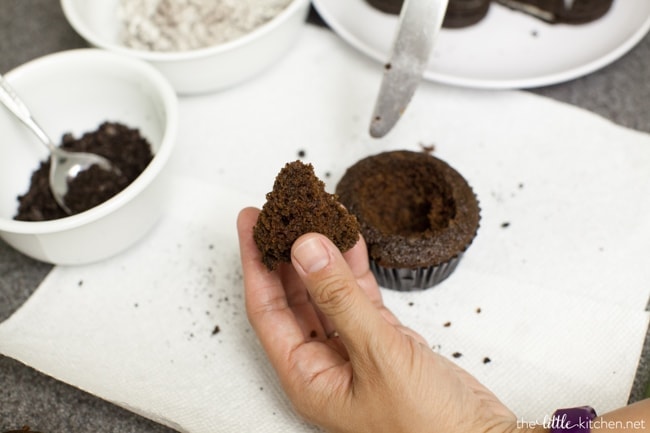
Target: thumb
[{"x": 335, "y": 291}]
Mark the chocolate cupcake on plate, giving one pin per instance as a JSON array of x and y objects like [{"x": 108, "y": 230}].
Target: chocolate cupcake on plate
[
  {"x": 460, "y": 13},
  {"x": 561, "y": 11},
  {"x": 392, "y": 7},
  {"x": 464, "y": 13},
  {"x": 417, "y": 214}
]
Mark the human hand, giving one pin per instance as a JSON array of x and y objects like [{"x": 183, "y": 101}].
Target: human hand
[{"x": 344, "y": 360}]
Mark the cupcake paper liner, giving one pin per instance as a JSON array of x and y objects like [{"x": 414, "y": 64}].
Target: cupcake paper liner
[{"x": 405, "y": 279}]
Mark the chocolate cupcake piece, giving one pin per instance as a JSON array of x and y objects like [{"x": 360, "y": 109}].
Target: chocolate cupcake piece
[
  {"x": 299, "y": 204},
  {"x": 460, "y": 13},
  {"x": 417, "y": 214},
  {"x": 464, "y": 13},
  {"x": 561, "y": 11},
  {"x": 388, "y": 6}
]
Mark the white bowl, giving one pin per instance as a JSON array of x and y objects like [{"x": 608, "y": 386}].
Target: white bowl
[
  {"x": 201, "y": 70},
  {"x": 75, "y": 91}
]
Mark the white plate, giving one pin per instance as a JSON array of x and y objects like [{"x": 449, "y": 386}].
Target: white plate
[{"x": 507, "y": 49}]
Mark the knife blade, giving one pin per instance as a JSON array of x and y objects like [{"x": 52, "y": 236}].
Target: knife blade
[{"x": 419, "y": 24}]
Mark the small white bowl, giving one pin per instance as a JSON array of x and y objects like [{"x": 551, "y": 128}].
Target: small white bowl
[
  {"x": 75, "y": 91},
  {"x": 201, "y": 70}
]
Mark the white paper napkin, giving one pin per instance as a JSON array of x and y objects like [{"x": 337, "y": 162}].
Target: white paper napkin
[{"x": 546, "y": 308}]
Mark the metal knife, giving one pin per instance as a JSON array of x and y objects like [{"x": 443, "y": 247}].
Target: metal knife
[{"x": 419, "y": 24}]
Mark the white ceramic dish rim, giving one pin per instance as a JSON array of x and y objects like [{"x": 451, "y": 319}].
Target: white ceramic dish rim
[
  {"x": 432, "y": 73},
  {"x": 169, "y": 99},
  {"x": 174, "y": 56}
]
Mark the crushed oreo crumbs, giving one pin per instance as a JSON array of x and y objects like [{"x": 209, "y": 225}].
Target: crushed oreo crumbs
[{"x": 123, "y": 146}]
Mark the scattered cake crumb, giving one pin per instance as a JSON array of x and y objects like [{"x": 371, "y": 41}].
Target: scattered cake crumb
[
  {"x": 486, "y": 360},
  {"x": 216, "y": 330},
  {"x": 447, "y": 324},
  {"x": 428, "y": 148},
  {"x": 456, "y": 355}
]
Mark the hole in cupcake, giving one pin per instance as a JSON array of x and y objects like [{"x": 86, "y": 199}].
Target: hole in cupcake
[
  {"x": 410, "y": 203},
  {"x": 441, "y": 211}
]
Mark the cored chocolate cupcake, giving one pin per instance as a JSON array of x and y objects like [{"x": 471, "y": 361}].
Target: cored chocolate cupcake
[
  {"x": 417, "y": 214},
  {"x": 561, "y": 11},
  {"x": 460, "y": 13}
]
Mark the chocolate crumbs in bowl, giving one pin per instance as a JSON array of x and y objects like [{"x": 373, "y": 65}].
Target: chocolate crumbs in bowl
[{"x": 120, "y": 144}]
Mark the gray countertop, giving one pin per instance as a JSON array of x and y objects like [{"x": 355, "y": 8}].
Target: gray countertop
[{"x": 32, "y": 28}]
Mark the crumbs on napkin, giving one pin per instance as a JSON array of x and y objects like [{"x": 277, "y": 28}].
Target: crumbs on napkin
[
  {"x": 428, "y": 148},
  {"x": 456, "y": 354}
]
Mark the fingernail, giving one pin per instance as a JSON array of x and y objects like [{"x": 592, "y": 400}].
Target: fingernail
[{"x": 311, "y": 255}]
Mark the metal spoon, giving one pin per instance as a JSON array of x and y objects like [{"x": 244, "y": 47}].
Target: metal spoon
[{"x": 64, "y": 165}]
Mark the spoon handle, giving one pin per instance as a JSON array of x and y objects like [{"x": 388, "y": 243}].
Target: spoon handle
[{"x": 10, "y": 99}]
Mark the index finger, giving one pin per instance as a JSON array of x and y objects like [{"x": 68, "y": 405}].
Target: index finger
[
  {"x": 267, "y": 307},
  {"x": 357, "y": 258}
]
